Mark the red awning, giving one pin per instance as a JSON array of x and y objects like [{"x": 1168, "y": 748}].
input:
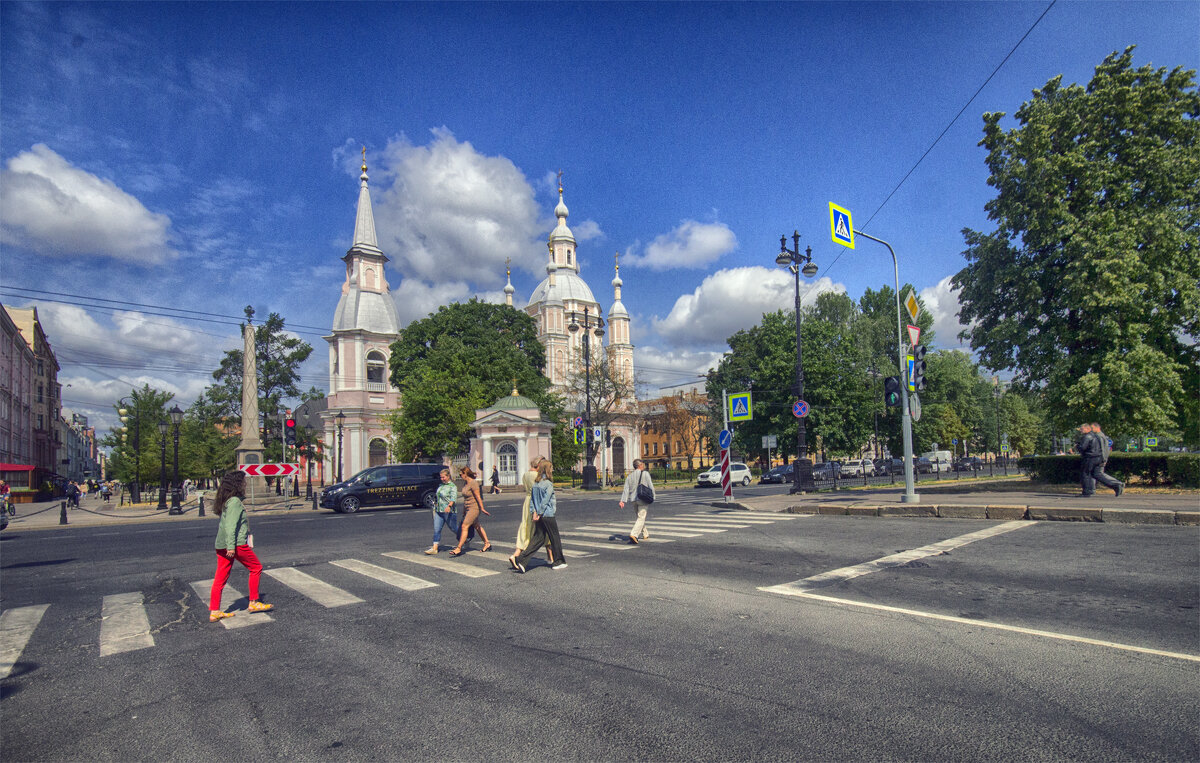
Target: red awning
[{"x": 16, "y": 468}]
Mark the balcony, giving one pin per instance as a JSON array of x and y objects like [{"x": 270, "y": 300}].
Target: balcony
[{"x": 376, "y": 386}]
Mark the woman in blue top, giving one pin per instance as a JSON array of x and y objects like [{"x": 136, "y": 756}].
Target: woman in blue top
[{"x": 543, "y": 507}]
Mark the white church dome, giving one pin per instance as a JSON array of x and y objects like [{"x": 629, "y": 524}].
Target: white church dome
[{"x": 568, "y": 286}]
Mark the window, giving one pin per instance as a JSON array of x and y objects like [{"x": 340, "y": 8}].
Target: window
[
  {"x": 41, "y": 421},
  {"x": 508, "y": 457},
  {"x": 375, "y": 368},
  {"x": 40, "y": 370},
  {"x": 40, "y": 398},
  {"x": 645, "y": 449},
  {"x": 656, "y": 449}
]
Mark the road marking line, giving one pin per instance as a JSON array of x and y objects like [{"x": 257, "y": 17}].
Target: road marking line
[
  {"x": 669, "y": 525},
  {"x": 124, "y": 625},
  {"x": 605, "y": 546},
  {"x": 438, "y": 562},
  {"x": 985, "y": 624},
  {"x": 895, "y": 560},
  {"x": 726, "y": 524},
  {"x": 609, "y": 537},
  {"x": 623, "y": 530},
  {"x": 16, "y": 628},
  {"x": 318, "y": 590},
  {"x": 384, "y": 575},
  {"x": 710, "y": 519},
  {"x": 774, "y": 516},
  {"x": 228, "y": 596}
]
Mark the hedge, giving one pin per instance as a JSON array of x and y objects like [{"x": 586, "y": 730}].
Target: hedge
[{"x": 1177, "y": 469}]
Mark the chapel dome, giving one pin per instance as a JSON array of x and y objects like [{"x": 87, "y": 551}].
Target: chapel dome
[{"x": 568, "y": 286}]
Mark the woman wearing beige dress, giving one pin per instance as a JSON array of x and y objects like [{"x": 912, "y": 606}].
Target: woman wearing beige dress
[
  {"x": 525, "y": 529},
  {"x": 473, "y": 502}
]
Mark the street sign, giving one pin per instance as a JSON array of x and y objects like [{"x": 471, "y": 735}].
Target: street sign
[
  {"x": 269, "y": 470},
  {"x": 597, "y": 434},
  {"x": 800, "y": 409},
  {"x": 914, "y": 334},
  {"x": 1004, "y": 448},
  {"x": 740, "y": 407},
  {"x": 578, "y": 422},
  {"x": 1151, "y": 442},
  {"x": 912, "y": 305},
  {"x": 841, "y": 228},
  {"x": 954, "y": 441},
  {"x": 769, "y": 441},
  {"x": 912, "y": 362},
  {"x": 726, "y": 484},
  {"x": 914, "y": 407},
  {"x": 724, "y": 438}
]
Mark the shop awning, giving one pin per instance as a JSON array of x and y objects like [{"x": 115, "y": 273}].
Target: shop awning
[{"x": 16, "y": 468}]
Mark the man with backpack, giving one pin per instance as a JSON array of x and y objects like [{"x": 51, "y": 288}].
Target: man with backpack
[{"x": 1104, "y": 450}]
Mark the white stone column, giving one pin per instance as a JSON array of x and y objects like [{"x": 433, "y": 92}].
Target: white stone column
[
  {"x": 522, "y": 455},
  {"x": 488, "y": 459}
]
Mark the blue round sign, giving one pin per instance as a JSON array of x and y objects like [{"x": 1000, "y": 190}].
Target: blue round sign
[
  {"x": 954, "y": 441},
  {"x": 725, "y": 438},
  {"x": 800, "y": 409}
]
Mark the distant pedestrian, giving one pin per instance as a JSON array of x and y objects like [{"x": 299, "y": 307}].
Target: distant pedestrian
[
  {"x": 234, "y": 542},
  {"x": 1098, "y": 473},
  {"x": 495, "y": 481},
  {"x": 105, "y": 491},
  {"x": 443, "y": 510},
  {"x": 472, "y": 521},
  {"x": 73, "y": 494},
  {"x": 1088, "y": 448},
  {"x": 6, "y": 498},
  {"x": 543, "y": 508},
  {"x": 639, "y": 489},
  {"x": 525, "y": 528}
]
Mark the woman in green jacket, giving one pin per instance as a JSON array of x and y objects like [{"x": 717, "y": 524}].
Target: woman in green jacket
[{"x": 233, "y": 542}]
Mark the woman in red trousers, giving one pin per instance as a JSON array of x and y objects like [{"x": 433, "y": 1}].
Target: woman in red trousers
[{"x": 233, "y": 542}]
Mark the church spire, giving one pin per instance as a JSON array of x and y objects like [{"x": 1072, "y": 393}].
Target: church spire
[
  {"x": 508, "y": 287},
  {"x": 562, "y": 241},
  {"x": 364, "y": 224}
]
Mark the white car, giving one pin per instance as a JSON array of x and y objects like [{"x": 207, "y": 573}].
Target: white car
[
  {"x": 858, "y": 468},
  {"x": 738, "y": 473}
]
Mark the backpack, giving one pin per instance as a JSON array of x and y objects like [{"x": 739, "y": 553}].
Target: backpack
[{"x": 1105, "y": 448}]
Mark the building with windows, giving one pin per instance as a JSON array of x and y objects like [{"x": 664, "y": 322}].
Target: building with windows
[
  {"x": 17, "y": 373},
  {"x": 45, "y": 395},
  {"x": 673, "y": 431},
  {"x": 79, "y": 456}
]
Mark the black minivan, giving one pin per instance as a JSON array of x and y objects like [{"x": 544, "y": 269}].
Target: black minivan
[{"x": 391, "y": 485}]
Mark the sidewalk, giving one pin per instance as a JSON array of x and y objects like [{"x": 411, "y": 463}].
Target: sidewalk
[
  {"x": 92, "y": 512},
  {"x": 1018, "y": 500}
]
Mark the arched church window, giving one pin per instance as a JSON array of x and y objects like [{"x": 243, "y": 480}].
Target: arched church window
[
  {"x": 376, "y": 365},
  {"x": 559, "y": 365},
  {"x": 507, "y": 457},
  {"x": 568, "y": 256},
  {"x": 377, "y": 453},
  {"x": 369, "y": 278}
]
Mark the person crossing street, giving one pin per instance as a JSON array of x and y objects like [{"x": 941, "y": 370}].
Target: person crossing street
[{"x": 639, "y": 489}]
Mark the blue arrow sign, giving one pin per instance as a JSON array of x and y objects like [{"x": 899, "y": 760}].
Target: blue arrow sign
[{"x": 725, "y": 438}]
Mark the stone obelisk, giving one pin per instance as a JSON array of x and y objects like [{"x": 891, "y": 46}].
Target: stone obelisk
[{"x": 250, "y": 449}]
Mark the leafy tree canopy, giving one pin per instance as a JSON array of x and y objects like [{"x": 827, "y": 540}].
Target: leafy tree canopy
[
  {"x": 278, "y": 357},
  {"x": 1090, "y": 286}
]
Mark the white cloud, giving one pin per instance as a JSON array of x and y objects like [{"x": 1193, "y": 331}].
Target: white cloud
[
  {"x": 586, "y": 230},
  {"x": 54, "y": 208},
  {"x": 657, "y": 368},
  {"x": 942, "y": 302},
  {"x": 730, "y": 300},
  {"x": 454, "y": 213},
  {"x": 691, "y": 245},
  {"x": 416, "y": 299}
]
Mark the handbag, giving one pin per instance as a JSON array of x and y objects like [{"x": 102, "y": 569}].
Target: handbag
[{"x": 645, "y": 494}]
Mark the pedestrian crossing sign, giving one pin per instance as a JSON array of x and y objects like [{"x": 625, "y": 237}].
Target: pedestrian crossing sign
[
  {"x": 841, "y": 227},
  {"x": 740, "y": 407}
]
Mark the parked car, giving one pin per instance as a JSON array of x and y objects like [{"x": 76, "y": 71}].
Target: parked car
[
  {"x": 826, "y": 470},
  {"x": 858, "y": 467},
  {"x": 922, "y": 465},
  {"x": 738, "y": 473},
  {"x": 778, "y": 475},
  {"x": 391, "y": 485},
  {"x": 968, "y": 464}
]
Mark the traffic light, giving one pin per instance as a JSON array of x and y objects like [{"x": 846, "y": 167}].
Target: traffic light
[
  {"x": 608, "y": 438},
  {"x": 918, "y": 377},
  {"x": 891, "y": 390},
  {"x": 289, "y": 431}
]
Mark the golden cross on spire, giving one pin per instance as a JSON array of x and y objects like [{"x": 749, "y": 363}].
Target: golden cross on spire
[
  {"x": 515, "y": 393},
  {"x": 507, "y": 272},
  {"x": 364, "y": 153},
  {"x": 617, "y": 261},
  {"x": 560, "y": 181}
]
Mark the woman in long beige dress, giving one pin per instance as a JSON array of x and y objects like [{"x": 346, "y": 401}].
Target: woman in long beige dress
[
  {"x": 473, "y": 503},
  {"x": 525, "y": 529}
]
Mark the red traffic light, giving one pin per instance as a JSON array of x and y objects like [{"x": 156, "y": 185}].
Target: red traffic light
[{"x": 290, "y": 423}]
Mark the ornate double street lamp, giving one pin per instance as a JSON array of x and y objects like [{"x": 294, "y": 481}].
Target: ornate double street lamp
[
  {"x": 176, "y": 488},
  {"x": 798, "y": 263},
  {"x": 131, "y": 402},
  {"x": 590, "y": 324},
  {"x": 162, "y": 473},
  {"x": 341, "y": 420}
]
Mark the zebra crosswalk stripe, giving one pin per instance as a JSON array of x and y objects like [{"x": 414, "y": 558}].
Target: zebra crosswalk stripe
[
  {"x": 703, "y": 523},
  {"x": 609, "y": 536},
  {"x": 624, "y": 530},
  {"x": 228, "y": 596},
  {"x": 440, "y": 563},
  {"x": 384, "y": 575},
  {"x": 124, "y": 625},
  {"x": 669, "y": 525},
  {"x": 16, "y": 628},
  {"x": 590, "y": 544},
  {"x": 318, "y": 590},
  {"x": 726, "y": 518}
]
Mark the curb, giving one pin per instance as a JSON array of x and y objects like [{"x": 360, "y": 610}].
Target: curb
[{"x": 999, "y": 512}]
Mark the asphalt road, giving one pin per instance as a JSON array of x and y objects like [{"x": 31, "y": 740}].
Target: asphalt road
[{"x": 1047, "y": 641}]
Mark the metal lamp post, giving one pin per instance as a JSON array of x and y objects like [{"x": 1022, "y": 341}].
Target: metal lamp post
[
  {"x": 341, "y": 419},
  {"x": 135, "y": 490},
  {"x": 590, "y": 324},
  {"x": 176, "y": 419},
  {"x": 798, "y": 263},
  {"x": 162, "y": 472}
]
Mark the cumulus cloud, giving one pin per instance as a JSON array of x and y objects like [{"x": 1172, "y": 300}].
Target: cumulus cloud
[
  {"x": 658, "y": 368},
  {"x": 734, "y": 299},
  {"x": 942, "y": 302},
  {"x": 54, "y": 208},
  {"x": 691, "y": 245},
  {"x": 416, "y": 299}
]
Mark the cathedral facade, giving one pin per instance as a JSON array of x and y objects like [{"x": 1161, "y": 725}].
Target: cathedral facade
[{"x": 365, "y": 324}]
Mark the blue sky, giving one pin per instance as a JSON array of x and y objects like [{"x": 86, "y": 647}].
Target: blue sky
[{"x": 205, "y": 157}]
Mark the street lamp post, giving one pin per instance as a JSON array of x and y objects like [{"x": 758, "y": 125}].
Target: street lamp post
[
  {"x": 341, "y": 420},
  {"x": 798, "y": 263},
  {"x": 176, "y": 420},
  {"x": 590, "y": 325},
  {"x": 135, "y": 490},
  {"x": 162, "y": 472}
]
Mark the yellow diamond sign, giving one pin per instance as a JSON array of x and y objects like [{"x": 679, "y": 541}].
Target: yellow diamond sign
[{"x": 912, "y": 305}]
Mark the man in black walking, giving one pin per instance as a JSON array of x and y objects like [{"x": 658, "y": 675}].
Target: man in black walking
[{"x": 1098, "y": 473}]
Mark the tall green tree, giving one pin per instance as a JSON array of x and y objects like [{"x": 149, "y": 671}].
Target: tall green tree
[
  {"x": 1090, "y": 285},
  {"x": 148, "y": 408}
]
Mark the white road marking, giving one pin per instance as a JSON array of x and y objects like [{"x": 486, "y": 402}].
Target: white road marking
[
  {"x": 994, "y": 626},
  {"x": 317, "y": 590},
  {"x": 228, "y": 596},
  {"x": 692, "y": 528},
  {"x": 895, "y": 560},
  {"x": 124, "y": 625},
  {"x": 443, "y": 563},
  {"x": 710, "y": 523},
  {"x": 605, "y": 546},
  {"x": 624, "y": 531},
  {"x": 774, "y": 517},
  {"x": 609, "y": 537},
  {"x": 722, "y": 519},
  {"x": 384, "y": 575},
  {"x": 16, "y": 628}
]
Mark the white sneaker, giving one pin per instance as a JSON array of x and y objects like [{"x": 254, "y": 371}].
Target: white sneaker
[{"x": 561, "y": 566}]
